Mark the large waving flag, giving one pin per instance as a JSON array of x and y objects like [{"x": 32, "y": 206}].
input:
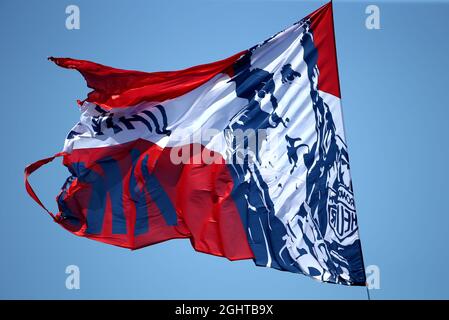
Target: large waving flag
[{"x": 246, "y": 157}]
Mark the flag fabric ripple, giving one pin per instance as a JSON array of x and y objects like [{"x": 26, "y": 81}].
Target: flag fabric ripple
[{"x": 288, "y": 205}]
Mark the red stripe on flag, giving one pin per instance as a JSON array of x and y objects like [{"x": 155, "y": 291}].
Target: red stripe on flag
[
  {"x": 29, "y": 170},
  {"x": 200, "y": 193},
  {"x": 115, "y": 88},
  {"x": 322, "y": 24}
]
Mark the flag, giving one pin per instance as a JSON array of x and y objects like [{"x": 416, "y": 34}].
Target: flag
[{"x": 246, "y": 157}]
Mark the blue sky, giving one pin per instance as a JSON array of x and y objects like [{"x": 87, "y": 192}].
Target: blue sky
[{"x": 393, "y": 85}]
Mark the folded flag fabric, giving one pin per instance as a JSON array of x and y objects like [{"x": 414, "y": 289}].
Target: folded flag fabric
[{"x": 246, "y": 157}]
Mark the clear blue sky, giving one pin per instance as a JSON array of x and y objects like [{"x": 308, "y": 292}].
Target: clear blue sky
[{"x": 394, "y": 83}]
